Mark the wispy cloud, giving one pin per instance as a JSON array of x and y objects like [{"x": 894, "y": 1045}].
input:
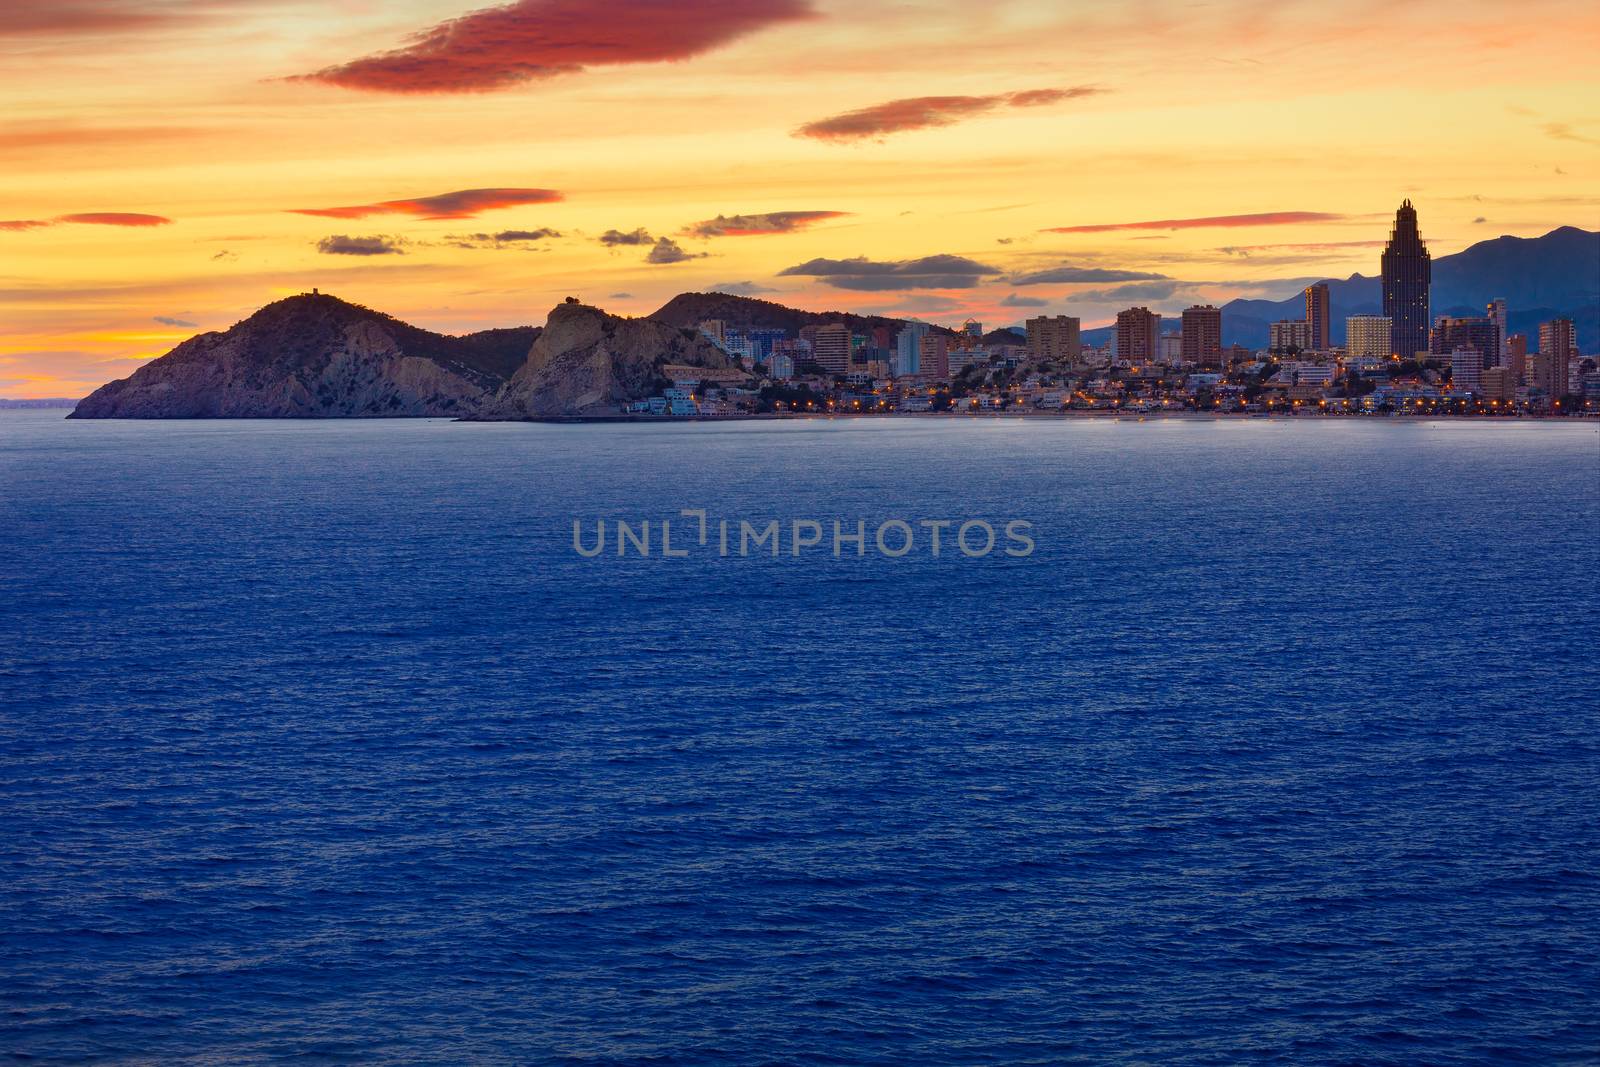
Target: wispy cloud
[
  {"x": 923, "y": 112},
  {"x": 504, "y": 239},
  {"x": 1136, "y": 291},
  {"x": 90, "y": 218},
  {"x": 1563, "y": 131},
  {"x": 94, "y": 18},
  {"x": 1302, "y": 246},
  {"x": 742, "y": 288},
  {"x": 499, "y": 47},
  {"x": 463, "y": 204},
  {"x": 766, "y": 223},
  {"x": 1066, "y": 275},
  {"x": 1265, "y": 218},
  {"x": 862, "y": 274},
  {"x": 340, "y": 245},
  {"x": 168, "y": 320}
]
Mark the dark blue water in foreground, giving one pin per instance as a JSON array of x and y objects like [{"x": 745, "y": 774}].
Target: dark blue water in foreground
[{"x": 318, "y": 742}]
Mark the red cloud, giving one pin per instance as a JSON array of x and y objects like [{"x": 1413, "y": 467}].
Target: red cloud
[
  {"x": 115, "y": 218},
  {"x": 756, "y": 225},
  {"x": 921, "y": 112},
  {"x": 1266, "y": 218},
  {"x": 465, "y": 204},
  {"x": 93, "y": 218},
  {"x": 499, "y": 47}
]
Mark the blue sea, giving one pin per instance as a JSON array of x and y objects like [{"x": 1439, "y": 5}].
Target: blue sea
[{"x": 320, "y": 743}]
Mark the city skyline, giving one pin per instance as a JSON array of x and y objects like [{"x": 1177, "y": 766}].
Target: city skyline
[{"x": 777, "y": 149}]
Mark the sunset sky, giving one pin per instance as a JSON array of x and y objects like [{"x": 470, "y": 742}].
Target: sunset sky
[{"x": 167, "y": 167}]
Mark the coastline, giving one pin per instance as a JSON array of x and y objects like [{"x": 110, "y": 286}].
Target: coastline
[{"x": 967, "y": 416}]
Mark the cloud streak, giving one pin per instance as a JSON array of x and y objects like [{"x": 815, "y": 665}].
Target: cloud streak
[
  {"x": 462, "y": 204},
  {"x": 499, "y": 47},
  {"x": 503, "y": 239},
  {"x": 741, "y": 288},
  {"x": 1265, "y": 218},
  {"x": 1069, "y": 275},
  {"x": 75, "y": 18},
  {"x": 757, "y": 225},
  {"x": 923, "y": 112},
  {"x": 865, "y": 275},
  {"x": 1562, "y": 131},
  {"x": 131, "y": 219}
]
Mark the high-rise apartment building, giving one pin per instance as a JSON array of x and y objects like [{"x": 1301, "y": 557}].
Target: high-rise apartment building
[
  {"x": 1289, "y": 335},
  {"x": 1319, "y": 315},
  {"x": 1138, "y": 335},
  {"x": 1054, "y": 338},
  {"x": 935, "y": 355},
  {"x": 1500, "y": 316},
  {"x": 1367, "y": 337},
  {"x": 830, "y": 348},
  {"x": 1517, "y": 357},
  {"x": 908, "y": 349},
  {"x": 1407, "y": 275},
  {"x": 1202, "y": 335},
  {"x": 1466, "y": 370},
  {"x": 1450, "y": 333},
  {"x": 1558, "y": 344}
]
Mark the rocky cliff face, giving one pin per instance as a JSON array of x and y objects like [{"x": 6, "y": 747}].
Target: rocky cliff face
[
  {"x": 316, "y": 357},
  {"x": 586, "y": 362}
]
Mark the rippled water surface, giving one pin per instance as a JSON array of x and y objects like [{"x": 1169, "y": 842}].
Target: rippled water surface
[{"x": 318, "y": 742}]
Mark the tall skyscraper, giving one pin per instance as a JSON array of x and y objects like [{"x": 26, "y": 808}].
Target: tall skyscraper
[
  {"x": 1367, "y": 337},
  {"x": 1407, "y": 274},
  {"x": 1202, "y": 335},
  {"x": 1500, "y": 317},
  {"x": 1054, "y": 337},
  {"x": 1558, "y": 343},
  {"x": 831, "y": 348},
  {"x": 1138, "y": 335},
  {"x": 1319, "y": 314}
]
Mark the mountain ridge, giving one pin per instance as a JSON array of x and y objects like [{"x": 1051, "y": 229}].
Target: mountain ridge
[
  {"x": 314, "y": 355},
  {"x": 688, "y": 310},
  {"x": 1552, "y": 275}
]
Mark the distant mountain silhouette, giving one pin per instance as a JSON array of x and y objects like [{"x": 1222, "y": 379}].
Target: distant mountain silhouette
[
  {"x": 1540, "y": 278},
  {"x": 689, "y": 310}
]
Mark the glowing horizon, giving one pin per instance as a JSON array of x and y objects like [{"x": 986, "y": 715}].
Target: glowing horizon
[{"x": 172, "y": 168}]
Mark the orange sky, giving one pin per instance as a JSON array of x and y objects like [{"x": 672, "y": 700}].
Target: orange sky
[{"x": 167, "y": 167}]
